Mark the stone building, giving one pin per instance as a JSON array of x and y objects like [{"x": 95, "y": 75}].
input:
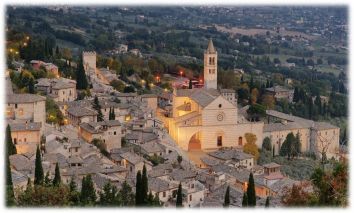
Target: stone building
[
  {"x": 280, "y": 92},
  {"x": 26, "y": 136},
  {"x": 110, "y": 132},
  {"x": 61, "y": 90},
  {"x": 315, "y": 137},
  {"x": 26, "y": 107}
]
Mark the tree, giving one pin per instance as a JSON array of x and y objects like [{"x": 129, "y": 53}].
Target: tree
[
  {"x": 81, "y": 79},
  {"x": 127, "y": 198},
  {"x": 31, "y": 86},
  {"x": 251, "y": 192},
  {"x": 109, "y": 196},
  {"x": 267, "y": 144},
  {"x": 227, "y": 197},
  {"x": 74, "y": 197},
  {"x": 47, "y": 181},
  {"x": 296, "y": 196},
  {"x": 250, "y": 147},
  {"x": 244, "y": 200},
  {"x": 254, "y": 95},
  {"x": 144, "y": 185},
  {"x": 96, "y": 105},
  {"x": 267, "y": 202},
  {"x": 88, "y": 192},
  {"x": 138, "y": 190},
  {"x": 112, "y": 115},
  {"x": 38, "y": 171},
  {"x": 273, "y": 151},
  {"x": 117, "y": 85},
  {"x": 57, "y": 178},
  {"x": 10, "y": 146},
  {"x": 291, "y": 146},
  {"x": 190, "y": 84},
  {"x": 268, "y": 101},
  {"x": 10, "y": 195},
  {"x": 179, "y": 199}
]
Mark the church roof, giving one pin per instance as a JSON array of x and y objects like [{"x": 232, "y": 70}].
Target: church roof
[
  {"x": 200, "y": 95},
  {"x": 210, "y": 48}
]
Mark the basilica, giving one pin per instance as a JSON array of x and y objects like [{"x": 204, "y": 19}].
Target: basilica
[{"x": 207, "y": 118}]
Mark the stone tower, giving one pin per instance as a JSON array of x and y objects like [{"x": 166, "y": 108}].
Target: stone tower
[{"x": 210, "y": 67}]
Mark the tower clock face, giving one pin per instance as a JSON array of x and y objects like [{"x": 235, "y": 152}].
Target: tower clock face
[{"x": 220, "y": 117}]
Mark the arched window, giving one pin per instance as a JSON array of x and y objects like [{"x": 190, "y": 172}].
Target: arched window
[{"x": 240, "y": 141}]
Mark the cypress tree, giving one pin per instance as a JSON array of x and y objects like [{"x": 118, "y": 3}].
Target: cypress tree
[
  {"x": 244, "y": 200},
  {"x": 179, "y": 199},
  {"x": 144, "y": 185},
  {"x": 251, "y": 192},
  {"x": 74, "y": 194},
  {"x": 88, "y": 193},
  {"x": 57, "y": 178},
  {"x": 72, "y": 185},
  {"x": 10, "y": 195},
  {"x": 57, "y": 51},
  {"x": 81, "y": 79},
  {"x": 190, "y": 84},
  {"x": 227, "y": 197},
  {"x": 267, "y": 202},
  {"x": 113, "y": 114},
  {"x": 273, "y": 151},
  {"x": 138, "y": 189},
  {"x": 47, "y": 181},
  {"x": 96, "y": 105},
  {"x": 110, "y": 114},
  {"x": 38, "y": 171},
  {"x": 10, "y": 146}
]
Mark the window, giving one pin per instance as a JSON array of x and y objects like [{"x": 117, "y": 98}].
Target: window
[
  {"x": 25, "y": 139},
  {"x": 220, "y": 105},
  {"x": 15, "y": 106},
  {"x": 219, "y": 141},
  {"x": 240, "y": 141},
  {"x": 15, "y": 141},
  {"x": 164, "y": 194},
  {"x": 114, "y": 132},
  {"x": 190, "y": 197},
  {"x": 76, "y": 149}
]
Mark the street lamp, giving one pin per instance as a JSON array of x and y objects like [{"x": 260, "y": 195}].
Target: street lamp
[{"x": 181, "y": 73}]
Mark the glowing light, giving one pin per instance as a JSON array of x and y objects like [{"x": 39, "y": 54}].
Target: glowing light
[
  {"x": 142, "y": 81},
  {"x": 11, "y": 50},
  {"x": 27, "y": 37},
  {"x": 25, "y": 44}
]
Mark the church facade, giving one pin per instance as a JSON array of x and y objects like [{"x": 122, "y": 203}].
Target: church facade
[{"x": 207, "y": 118}]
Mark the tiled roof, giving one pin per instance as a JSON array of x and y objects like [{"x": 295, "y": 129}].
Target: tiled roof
[
  {"x": 160, "y": 185},
  {"x": 230, "y": 155},
  {"x": 96, "y": 127},
  {"x": 324, "y": 126},
  {"x": 81, "y": 111},
  {"x": 15, "y": 127},
  {"x": 23, "y": 98},
  {"x": 151, "y": 147}
]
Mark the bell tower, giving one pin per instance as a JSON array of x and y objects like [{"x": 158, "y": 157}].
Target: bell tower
[{"x": 210, "y": 67}]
